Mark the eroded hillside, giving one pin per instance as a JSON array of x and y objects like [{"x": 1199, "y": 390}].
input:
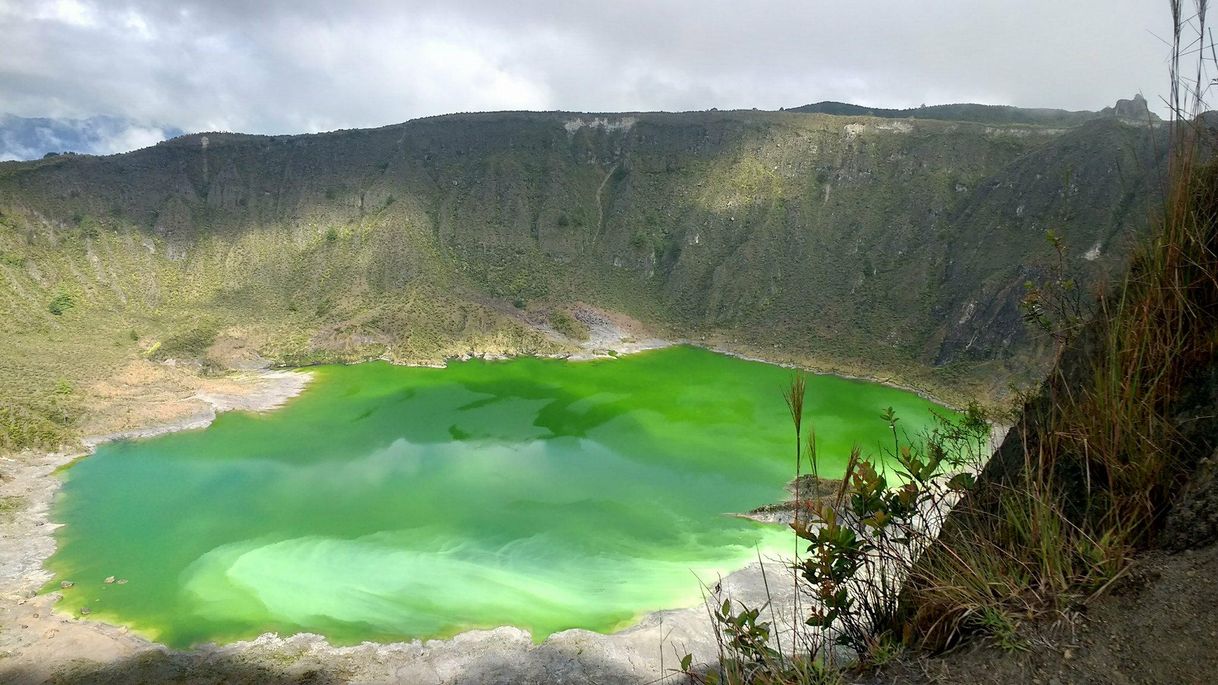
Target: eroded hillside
[{"x": 886, "y": 246}]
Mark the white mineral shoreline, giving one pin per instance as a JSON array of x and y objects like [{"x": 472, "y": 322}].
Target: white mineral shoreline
[{"x": 37, "y": 642}]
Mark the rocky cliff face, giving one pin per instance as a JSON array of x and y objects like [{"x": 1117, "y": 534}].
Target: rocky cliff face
[{"x": 885, "y": 240}]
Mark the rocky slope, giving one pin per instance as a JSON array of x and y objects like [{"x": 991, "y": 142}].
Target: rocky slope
[{"x": 870, "y": 243}]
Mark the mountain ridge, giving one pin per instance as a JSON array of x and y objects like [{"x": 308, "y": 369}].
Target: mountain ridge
[{"x": 880, "y": 246}]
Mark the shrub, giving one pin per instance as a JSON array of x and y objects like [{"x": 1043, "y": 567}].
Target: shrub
[
  {"x": 61, "y": 303},
  {"x": 859, "y": 549},
  {"x": 568, "y": 325}
]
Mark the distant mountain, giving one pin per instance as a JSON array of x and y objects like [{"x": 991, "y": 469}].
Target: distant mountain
[
  {"x": 23, "y": 138},
  {"x": 1134, "y": 110}
]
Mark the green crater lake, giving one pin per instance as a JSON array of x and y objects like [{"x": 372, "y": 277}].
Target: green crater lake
[{"x": 389, "y": 503}]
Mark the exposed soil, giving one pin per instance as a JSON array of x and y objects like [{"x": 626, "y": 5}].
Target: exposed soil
[{"x": 1156, "y": 625}]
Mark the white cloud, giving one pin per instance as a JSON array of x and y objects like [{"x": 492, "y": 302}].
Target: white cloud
[
  {"x": 31, "y": 138},
  {"x": 132, "y": 138},
  {"x": 71, "y": 12},
  {"x": 305, "y": 65}
]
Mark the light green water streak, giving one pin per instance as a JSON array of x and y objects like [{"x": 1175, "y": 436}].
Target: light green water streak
[{"x": 389, "y": 503}]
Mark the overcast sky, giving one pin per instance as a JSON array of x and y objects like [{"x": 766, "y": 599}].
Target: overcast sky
[{"x": 274, "y": 66}]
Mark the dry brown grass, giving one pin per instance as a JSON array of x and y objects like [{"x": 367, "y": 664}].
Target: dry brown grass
[{"x": 1098, "y": 453}]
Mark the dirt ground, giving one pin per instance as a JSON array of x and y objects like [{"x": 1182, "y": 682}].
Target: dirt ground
[{"x": 1159, "y": 624}]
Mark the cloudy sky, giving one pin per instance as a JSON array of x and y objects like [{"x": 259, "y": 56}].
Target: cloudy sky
[{"x": 277, "y": 66}]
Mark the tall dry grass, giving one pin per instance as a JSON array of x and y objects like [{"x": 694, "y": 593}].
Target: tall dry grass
[{"x": 1089, "y": 473}]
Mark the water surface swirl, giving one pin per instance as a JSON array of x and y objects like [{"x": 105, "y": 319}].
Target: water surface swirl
[{"x": 389, "y": 503}]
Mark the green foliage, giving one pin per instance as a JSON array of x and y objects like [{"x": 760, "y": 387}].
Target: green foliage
[
  {"x": 749, "y": 657},
  {"x": 1057, "y": 306},
  {"x": 568, "y": 325},
  {"x": 747, "y": 636},
  {"x": 10, "y": 505},
  {"x": 36, "y": 418},
  {"x": 860, "y": 553},
  {"x": 860, "y": 548},
  {"x": 62, "y": 302},
  {"x": 1002, "y": 628},
  {"x": 1099, "y": 450}
]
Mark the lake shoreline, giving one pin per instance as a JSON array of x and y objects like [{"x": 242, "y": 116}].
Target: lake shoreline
[
  {"x": 612, "y": 335},
  {"x": 41, "y": 641},
  {"x": 38, "y": 637},
  {"x": 33, "y": 633}
]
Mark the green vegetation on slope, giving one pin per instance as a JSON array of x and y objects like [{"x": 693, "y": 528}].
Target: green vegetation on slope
[
  {"x": 892, "y": 248},
  {"x": 1100, "y": 455},
  {"x": 1089, "y": 476}
]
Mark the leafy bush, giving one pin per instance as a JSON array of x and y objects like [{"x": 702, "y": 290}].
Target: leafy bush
[
  {"x": 568, "y": 325},
  {"x": 860, "y": 548},
  {"x": 61, "y": 303}
]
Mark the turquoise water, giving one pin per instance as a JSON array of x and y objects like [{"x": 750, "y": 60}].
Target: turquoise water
[{"x": 390, "y": 503}]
